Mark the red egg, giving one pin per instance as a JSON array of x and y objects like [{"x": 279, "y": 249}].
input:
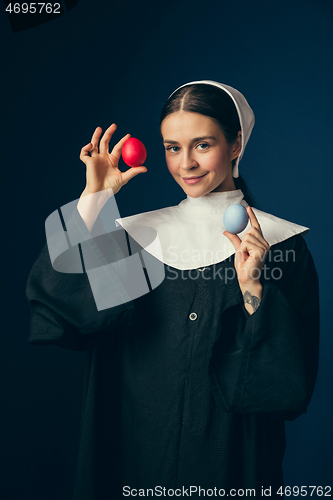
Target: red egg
[{"x": 133, "y": 152}]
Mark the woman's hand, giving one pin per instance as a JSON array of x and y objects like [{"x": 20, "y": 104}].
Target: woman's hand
[
  {"x": 250, "y": 256},
  {"x": 104, "y": 178},
  {"x": 102, "y": 166}
]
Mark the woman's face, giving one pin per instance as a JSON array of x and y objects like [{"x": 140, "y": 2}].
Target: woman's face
[{"x": 197, "y": 153}]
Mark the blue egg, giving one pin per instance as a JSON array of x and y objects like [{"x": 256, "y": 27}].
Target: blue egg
[{"x": 235, "y": 218}]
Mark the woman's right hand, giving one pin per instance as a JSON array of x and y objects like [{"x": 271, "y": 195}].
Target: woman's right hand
[{"x": 102, "y": 166}]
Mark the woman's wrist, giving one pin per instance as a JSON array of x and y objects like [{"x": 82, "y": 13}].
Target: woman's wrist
[
  {"x": 252, "y": 295},
  {"x": 90, "y": 205}
]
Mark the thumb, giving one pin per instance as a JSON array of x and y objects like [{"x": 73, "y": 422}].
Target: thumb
[
  {"x": 233, "y": 238},
  {"x": 132, "y": 172}
]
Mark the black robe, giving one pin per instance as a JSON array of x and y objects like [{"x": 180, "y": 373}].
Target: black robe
[{"x": 174, "y": 400}]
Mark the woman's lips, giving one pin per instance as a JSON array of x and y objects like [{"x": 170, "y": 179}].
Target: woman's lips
[{"x": 193, "y": 180}]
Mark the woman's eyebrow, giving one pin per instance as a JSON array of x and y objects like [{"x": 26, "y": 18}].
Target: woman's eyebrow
[{"x": 196, "y": 139}]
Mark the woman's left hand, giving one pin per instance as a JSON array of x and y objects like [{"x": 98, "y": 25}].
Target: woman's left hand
[{"x": 251, "y": 251}]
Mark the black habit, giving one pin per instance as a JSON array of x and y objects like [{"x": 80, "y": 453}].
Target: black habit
[{"x": 175, "y": 399}]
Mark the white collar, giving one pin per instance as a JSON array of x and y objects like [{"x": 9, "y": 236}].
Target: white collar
[{"x": 190, "y": 235}]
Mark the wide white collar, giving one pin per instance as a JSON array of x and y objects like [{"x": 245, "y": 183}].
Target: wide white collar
[{"x": 190, "y": 235}]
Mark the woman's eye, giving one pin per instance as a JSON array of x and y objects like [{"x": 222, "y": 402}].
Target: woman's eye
[{"x": 173, "y": 149}]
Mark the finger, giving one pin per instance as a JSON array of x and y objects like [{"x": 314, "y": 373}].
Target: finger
[
  {"x": 132, "y": 172},
  {"x": 253, "y": 219},
  {"x": 104, "y": 144},
  {"x": 85, "y": 152},
  {"x": 254, "y": 251},
  {"x": 234, "y": 239},
  {"x": 94, "y": 140},
  {"x": 116, "y": 152},
  {"x": 250, "y": 238},
  {"x": 257, "y": 234}
]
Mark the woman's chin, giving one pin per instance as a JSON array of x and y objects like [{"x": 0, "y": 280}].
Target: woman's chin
[{"x": 194, "y": 191}]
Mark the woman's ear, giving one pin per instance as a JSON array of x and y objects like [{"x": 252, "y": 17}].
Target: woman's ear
[{"x": 237, "y": 146}]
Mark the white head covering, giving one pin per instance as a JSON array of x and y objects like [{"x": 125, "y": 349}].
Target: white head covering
[{"x": 245, "y": 114}]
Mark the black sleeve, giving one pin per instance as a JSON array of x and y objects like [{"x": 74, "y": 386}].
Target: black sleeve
[
  {"x": 63, "y": 306},
  {"x": 267, "y": 361}
]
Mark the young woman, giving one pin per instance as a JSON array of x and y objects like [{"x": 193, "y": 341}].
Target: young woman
[{"x": 187, "y": 386}]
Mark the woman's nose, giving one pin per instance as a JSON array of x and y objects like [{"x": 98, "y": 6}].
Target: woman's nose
[{"x": 188, "y": 161}]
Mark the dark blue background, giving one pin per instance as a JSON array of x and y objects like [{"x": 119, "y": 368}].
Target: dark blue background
[{"x": 106, "y": 62}]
